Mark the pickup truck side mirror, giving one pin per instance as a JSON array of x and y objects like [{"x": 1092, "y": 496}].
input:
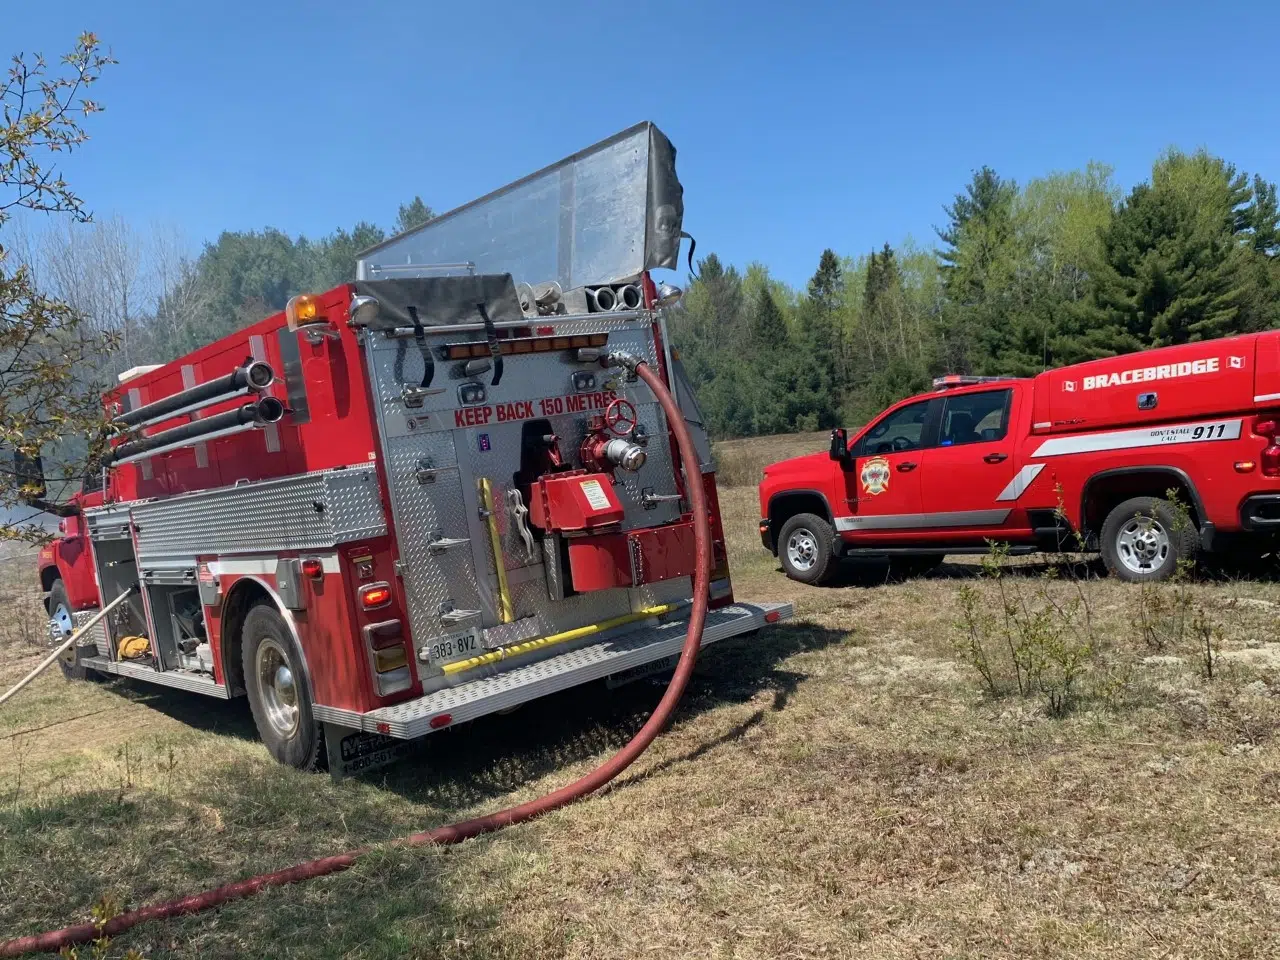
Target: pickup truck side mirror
[
  {"x": 840, "y": 446},
  {"x": 28, "y": 474}
]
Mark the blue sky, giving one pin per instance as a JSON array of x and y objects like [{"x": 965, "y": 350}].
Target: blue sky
[{"x": 798, "y": 126}]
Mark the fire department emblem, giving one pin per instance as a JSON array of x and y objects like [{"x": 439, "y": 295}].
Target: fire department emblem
[{"x": 875, "y": 476}]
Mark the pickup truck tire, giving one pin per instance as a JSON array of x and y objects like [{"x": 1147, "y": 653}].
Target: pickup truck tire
[
  {"x": 805, "y": 549},
  {"x": 1144, "y": 538},
  {"x": 279, "y": 693}
]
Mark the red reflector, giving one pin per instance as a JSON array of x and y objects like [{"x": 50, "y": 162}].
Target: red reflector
[
  {"x": 384, "y": 728},
  {"x": 1244, "y": 466},
  {"x": 773, "y": 616},
  {"x": 440, "y": 720},
  {"x": 313, "y": 568},
  {"x": 544, "y": 331},
  {"x": 375, "y": 595}
]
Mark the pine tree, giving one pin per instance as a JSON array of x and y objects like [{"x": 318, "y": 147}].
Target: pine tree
[
  {"x": 769, "y": 333},
  {"x": 413, "y": 214},
  {"x": 976, "y": 269},
  {"x": 1176, "y": 259}
]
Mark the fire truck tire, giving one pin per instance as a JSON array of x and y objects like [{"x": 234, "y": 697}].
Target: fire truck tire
[
  {"x": 279, "y": 694},
  {"x": 60, "y": 619},
  {"x": 805, "y": 549},
  {"x": 1143, "y": 539}
]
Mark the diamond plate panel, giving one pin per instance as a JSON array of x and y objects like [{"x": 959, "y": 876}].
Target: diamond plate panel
[
  {"x": 424, "y": 511},
  {"x": 510, "y": 685},
  {"x": 493, "y": 451},
  {"x": 96, "y": 635},
  {"x": 305, "y": 512}
]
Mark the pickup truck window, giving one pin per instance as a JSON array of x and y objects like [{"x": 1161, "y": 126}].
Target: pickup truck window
[
  {"x": 975, "y": 418},
  {"x": 901, "y": 430}
]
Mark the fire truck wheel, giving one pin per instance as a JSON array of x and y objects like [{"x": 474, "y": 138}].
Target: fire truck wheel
[
  {"x": 1145, "y": 538},
  {"x": 279, "y": 695},
  {"x": 804, "y": 547},
  {"x": 60, "y": 626}
]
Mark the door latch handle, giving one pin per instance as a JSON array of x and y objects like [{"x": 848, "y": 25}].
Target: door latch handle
[
  {"x": 906, "y": 466},
  {"x": 996, "y": 457}
]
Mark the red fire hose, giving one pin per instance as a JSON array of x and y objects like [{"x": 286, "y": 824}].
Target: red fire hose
[{"x": 55, "y": 940}]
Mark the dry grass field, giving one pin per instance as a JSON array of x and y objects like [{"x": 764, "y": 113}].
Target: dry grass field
[{"x": 844, "y": 785}]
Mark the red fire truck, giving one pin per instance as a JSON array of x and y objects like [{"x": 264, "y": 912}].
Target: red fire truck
[
  {"x": 419, "y": 498},
  {"x": 1088, "y": 452}
]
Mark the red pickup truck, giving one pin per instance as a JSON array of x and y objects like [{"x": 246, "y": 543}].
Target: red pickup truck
[{"x": 1091, "y": 450}]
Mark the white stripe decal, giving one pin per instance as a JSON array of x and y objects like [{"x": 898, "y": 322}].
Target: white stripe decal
[
  {"x": 1042, "y": 425},
  {"x": 263, "y": 565},
  {"x": 1144, "y": 437},
  {"x": 1263, "y": 398},
  {"x": 1022, "y": 479}
]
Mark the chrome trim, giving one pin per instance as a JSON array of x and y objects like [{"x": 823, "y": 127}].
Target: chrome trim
[
  {"x": 916, "y": 521},
  {"x": 165, "y": 678}
]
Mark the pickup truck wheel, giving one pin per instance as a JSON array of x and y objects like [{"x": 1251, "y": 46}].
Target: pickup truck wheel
[
  {"x": 279, "y": 694},
  {"x": 61, "y": 625},
  {"x": 804, "y": 547},
  {"x": 1144, "y": 538}
]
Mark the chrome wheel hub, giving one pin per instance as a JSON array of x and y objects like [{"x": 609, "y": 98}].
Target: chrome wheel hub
[
  {"x": 60, "y": 623},
  {"x": 276, "y": 682},
  {"x": 802, "y": 549},
  {"x": 1143, "y": 544}
]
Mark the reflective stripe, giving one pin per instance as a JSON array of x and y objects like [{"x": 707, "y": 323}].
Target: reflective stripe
[
  {"x": 1143, "y": 437},
  {"x": 264, "y": 565},
  {"x": 912, "y": 521},
  {"x": 1263, "y": 398},
  {"x": 1021, "y": 480}
]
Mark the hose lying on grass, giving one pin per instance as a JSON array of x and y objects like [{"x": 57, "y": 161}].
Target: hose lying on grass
[{"x": 55, "y": 940}]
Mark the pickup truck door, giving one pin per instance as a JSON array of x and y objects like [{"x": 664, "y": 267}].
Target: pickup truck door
[
  {"x": 969, "y": 480},
  {"x": 882, "y": 485}
]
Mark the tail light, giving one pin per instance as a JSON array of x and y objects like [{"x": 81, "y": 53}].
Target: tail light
[
  {"x": 313, "y": 569},
  {"x": 387, "y": 652},
  {"x": 375, "y": 595},
  {"x": 1270, "y": 459}
]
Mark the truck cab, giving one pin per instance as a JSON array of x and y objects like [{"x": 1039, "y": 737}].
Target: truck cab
[
  {"x": 1148, "y": 458},
  {"x": 930, "y": 475}
]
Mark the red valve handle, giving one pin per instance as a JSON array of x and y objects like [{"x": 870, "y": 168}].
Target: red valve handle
[{"x": 620, "y": 413}]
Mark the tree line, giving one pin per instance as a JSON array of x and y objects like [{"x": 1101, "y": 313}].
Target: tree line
[{"x": 1064, "y": 268}]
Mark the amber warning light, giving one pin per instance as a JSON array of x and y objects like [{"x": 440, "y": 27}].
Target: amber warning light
[{"x": 303, "y": 311}]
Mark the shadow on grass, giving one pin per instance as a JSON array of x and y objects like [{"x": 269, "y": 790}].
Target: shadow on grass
[
  {"x": 495, "y": 755},
  {"x": 228, "y": 718}
]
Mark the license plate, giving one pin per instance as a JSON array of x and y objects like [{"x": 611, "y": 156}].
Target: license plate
[{"x": 457, "y": 647}]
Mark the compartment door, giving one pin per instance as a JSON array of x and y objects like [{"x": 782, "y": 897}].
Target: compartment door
[{"x": 433, "y": 505}]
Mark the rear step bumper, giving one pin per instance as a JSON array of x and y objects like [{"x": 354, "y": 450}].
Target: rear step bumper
[
  {"x": 1261, "y": 512},
  {"x": 625, "y": 651}
]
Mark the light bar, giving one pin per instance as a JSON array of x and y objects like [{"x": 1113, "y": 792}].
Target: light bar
[
  {"x": 960, "y": 380},
  {"x": 517, "y": 345}
]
